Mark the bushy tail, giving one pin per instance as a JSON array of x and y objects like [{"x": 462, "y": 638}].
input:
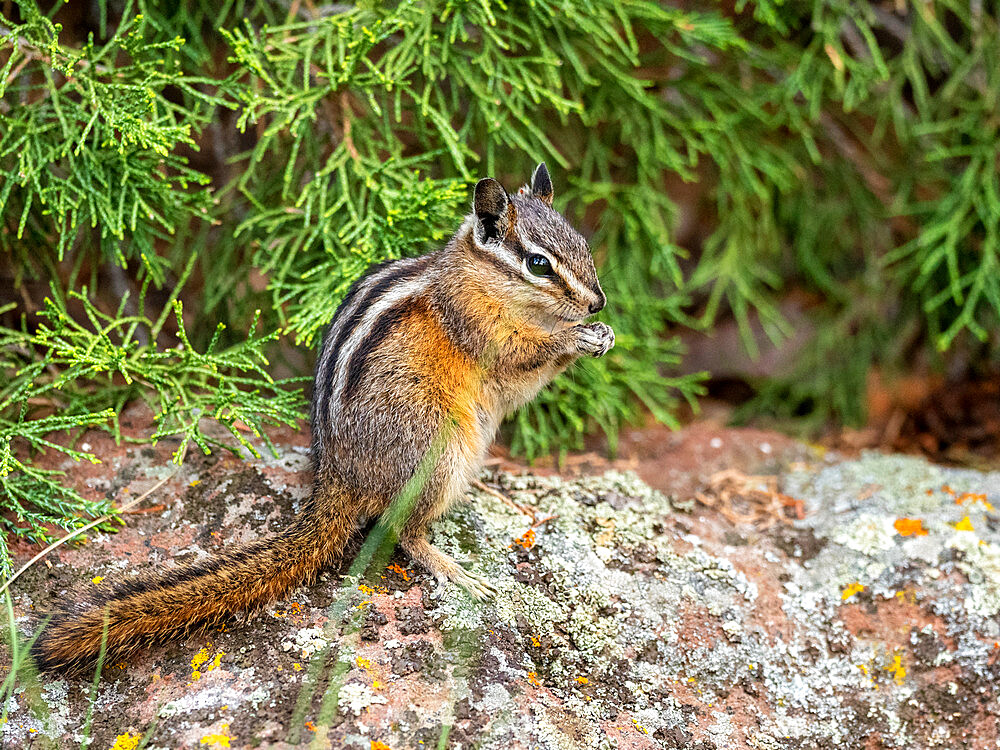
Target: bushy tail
[{"x": 176, "y": 602}]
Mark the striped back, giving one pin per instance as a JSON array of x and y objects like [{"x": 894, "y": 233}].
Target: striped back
[{"x": 370, "y": 306}]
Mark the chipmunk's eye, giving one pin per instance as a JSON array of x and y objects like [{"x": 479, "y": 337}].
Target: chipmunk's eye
[{"x": 539, "y": 265}]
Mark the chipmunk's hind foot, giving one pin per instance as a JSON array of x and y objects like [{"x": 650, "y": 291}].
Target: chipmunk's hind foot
[{"x": 446, "y": 568}]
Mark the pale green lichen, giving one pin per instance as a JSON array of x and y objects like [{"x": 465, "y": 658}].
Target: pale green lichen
[{"x": 664, "y": 628}]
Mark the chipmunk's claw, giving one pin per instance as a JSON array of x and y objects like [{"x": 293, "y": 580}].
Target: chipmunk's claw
[{"x": 475, "y": 585}]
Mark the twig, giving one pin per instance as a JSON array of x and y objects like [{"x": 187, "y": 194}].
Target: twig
[
  {"x": 151, "y": 509},
  {"x": 346, "y": 112},
  {"x": 729, "y": 491},
  {"x": 504, "y": 499},
  {"x": 536, "y": 524}
]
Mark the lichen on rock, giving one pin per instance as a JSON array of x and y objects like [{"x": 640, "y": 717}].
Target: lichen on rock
[{"x": 626, "y": 618}]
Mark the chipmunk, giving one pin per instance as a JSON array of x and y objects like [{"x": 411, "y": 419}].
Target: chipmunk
[{"x": 446, "y": 343}]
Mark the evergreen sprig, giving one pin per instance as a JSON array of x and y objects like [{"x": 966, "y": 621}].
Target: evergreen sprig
[
  {"x": 255, "y": 156},
  {"x": 93, "y": 164},
  {"x": 89, "y": 367}
]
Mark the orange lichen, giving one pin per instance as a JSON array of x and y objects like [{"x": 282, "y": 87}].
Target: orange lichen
[
  {"x": 583, "y": 680},
  {"x": 535, "y": 642},
  {"x": 974, "y": 497},
  {"x": 910, "y": 527},
  {"x": 399, "y": 570},
  {"x": 366, "y": 590},
  {"x": 850, "y": 590},
  {"x": 533, "y": 679},
  {"x": 376, "y": 745},
  {"x": 526, "y": 540},
  {"x": 310, "y": 726}
]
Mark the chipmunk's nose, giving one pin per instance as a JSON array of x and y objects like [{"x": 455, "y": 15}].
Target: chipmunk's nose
[{"x": 597, "y": 305}]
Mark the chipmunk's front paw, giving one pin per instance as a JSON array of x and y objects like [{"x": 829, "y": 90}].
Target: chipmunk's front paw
[{"x": 596, "y": 339}]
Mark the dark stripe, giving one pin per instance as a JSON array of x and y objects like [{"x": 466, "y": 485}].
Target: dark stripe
[
  {"x": 519, "y": 250},
  {"x": 544, "y": 356},
  {"x": 558, "y": 278},
  {"x": 522, "y": 253},
  {"x": 404, "y": 273},
  {"x": 321, "y": 391},
  {"x": 162, "y": 580},
  {"x": 382, "y": 327}
]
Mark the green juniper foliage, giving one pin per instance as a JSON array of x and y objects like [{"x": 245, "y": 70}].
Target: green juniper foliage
[{"x": 254, "y": 155}]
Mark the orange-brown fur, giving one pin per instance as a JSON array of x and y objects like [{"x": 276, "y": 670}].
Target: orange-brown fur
[{"x": 178, "y": 602}]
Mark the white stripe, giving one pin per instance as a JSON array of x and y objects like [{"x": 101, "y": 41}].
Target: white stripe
[
  {"x": 342, "y": 315},
  {"x": 564, "y": 273},
  {"x": 495, "y": 248},
  {"x": 392, "y": 295}
]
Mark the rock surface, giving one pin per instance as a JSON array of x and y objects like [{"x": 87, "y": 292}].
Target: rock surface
[{"x": 625, "y": 617}]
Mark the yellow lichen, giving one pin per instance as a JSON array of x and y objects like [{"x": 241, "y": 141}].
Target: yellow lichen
[
  {"x": 582, "y": 680},
  {"x": 850, "y": 590},
  {"x": 126, "y": 741},
  {"x": 219, "y": 739},
  {"x": 200, "y": 658},
  {"x": 896, "y": 669},
  {"x": 604, "y": 538},
  {"x": 97, "y": 579},
  {"x": 964, "y": 525}
]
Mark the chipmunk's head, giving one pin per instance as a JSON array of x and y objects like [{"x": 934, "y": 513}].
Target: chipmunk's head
[{"x": 544, "y": 264}]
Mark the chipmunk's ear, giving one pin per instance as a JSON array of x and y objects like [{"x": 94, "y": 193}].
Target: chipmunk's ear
[
  {"x": 541, "y": 184},
  {"x": 491, "y": 205}
]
